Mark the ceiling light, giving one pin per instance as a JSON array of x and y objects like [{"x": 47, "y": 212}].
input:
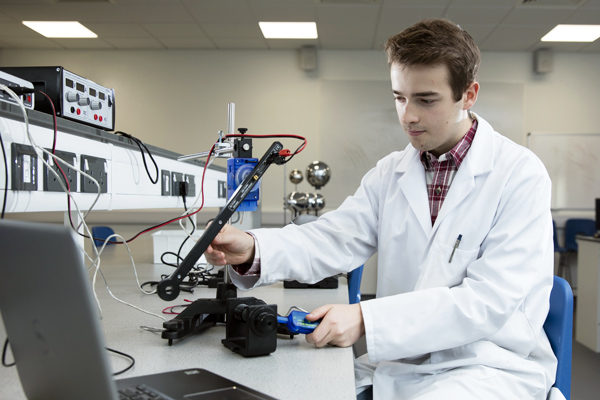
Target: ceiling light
[
  {"x": 60, "y": 29},
  {"x": 289, "y": 30},
  {"x": 573, "y": 33}
]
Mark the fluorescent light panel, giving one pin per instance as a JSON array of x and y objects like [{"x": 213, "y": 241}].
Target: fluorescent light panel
[
  {"x": 289, "y": 30},
  {"x": 60, "y": 29},
  {"x": 573, "y": 33}
]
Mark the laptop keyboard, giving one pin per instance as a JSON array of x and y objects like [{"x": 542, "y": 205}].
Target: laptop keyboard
[{"x": 141, "y": 392}]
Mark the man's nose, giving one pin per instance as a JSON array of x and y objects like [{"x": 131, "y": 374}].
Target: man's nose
[{"x": 408, "y": 114}]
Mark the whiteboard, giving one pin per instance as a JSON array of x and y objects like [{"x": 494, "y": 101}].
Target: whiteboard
[
  {"x": 572, "y": 163},
  {"x": 359, "y": 126}
]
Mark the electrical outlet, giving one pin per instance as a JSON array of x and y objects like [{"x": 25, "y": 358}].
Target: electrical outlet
[
  {"x": 191, "y": 181},
  {"x": 24, "y": 171},
  {"x": 222, "y": 190},
  {"x": 51, "y": 182},
  {"x": 165, "y": 182},
  {"x": 96, "y": 168},
  {"x": 176, "y": 177}
]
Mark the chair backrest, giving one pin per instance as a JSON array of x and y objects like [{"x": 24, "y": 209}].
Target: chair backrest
[
  {"x": 354, "y": 278},
  {"x": 555, "y": 238},
  {"x": 559, "y": 329},
  {"x": 578, "y": 226}
]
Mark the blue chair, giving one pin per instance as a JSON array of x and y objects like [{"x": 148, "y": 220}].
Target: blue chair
[
  {"x": 578, "y": 226},
  {"x": 574, "y": 227},
  {"x": 100, "y": 234},
  {"x": 354, "y": 278},
  {"x": 559, "y": 329},
  {"x": 561, "y": 255}
]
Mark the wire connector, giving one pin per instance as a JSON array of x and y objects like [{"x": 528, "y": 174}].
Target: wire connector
[{"x": 20, "y": 90}]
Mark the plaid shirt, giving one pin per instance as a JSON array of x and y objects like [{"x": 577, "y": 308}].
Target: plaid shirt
[{"x": 440, "y": 172}]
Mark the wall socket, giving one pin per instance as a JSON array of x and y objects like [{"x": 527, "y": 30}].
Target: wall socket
[
  {"x": 95, "y": 167},
  {"x": 51, "y": 182},
  {"x": 24, "y": 171},
  {"x": 191, "y": 181},
  {"x": 222, "y": 189},
  {"x": 176, "y": 177},
  {"x": 165, "y": 182}
]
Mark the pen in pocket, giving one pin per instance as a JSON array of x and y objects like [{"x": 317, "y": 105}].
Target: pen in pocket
[{"x": 458, "y": 239}]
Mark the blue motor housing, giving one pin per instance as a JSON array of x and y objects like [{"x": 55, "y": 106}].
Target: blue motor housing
[{"x": 237, "y": 170}]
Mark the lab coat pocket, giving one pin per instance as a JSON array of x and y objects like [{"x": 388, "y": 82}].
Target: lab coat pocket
[{"x": 443, "y": 268}]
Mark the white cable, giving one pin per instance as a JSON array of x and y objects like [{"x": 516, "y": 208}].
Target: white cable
[{"x": 39, "y": 150}]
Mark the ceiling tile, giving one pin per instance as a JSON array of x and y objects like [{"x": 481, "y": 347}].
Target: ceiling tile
[
  {"x": 122, "y": 30},
  {"x": 348, "y": 14},
  {"x": 83, "y": 44},
  {"x": 477, "y": 15},
  {"x": 187, "y": 43},
  {"x": 135, "y": 43},
  {"x": 238, "y": 44},
  {"x": 525, "y": 16},
  {"x": 513, "y": 38},
  {"x": 222, "y": 13},
  {"x": 251, "y": 30},
  {"x": 175, "y": 30},
  {"x": 347, "y": 30},
  {"x": 17, "y": 29},
  {"x": 283, "y": 12},
  {"x": 355, "y": 43},
  {"x": 26, "y": 43},
  {"x": 170, "y": 12}
]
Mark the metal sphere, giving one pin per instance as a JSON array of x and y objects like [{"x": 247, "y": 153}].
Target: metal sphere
[
  {"x": 297, "y": 201},
  {"x": 316, "y": 201},
  {"x": 318, "y": 174},
  {"x": 296, "y": 176}
]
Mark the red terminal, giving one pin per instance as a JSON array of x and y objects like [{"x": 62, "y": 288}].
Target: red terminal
[
  {"x": 285, "y": 153},
  {"x": 78, "y": 111}
]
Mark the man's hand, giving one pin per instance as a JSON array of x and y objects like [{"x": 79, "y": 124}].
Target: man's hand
[
  {"x": 342, "y": 325},
  {"x": 231, "y": 246}
]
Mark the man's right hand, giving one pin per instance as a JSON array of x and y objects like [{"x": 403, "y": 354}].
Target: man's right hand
[{"x": 231, "y": 246}]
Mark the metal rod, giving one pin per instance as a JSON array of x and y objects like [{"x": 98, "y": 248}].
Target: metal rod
[
  {"x": 230, "y": 118},
  {"x": 205, "y": 154}
]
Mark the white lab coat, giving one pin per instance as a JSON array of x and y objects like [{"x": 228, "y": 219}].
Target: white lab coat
[{"x": 483, "y": 312}]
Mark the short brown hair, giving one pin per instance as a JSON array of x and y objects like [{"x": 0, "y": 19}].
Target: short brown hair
[{"x": 438, "y": 41}]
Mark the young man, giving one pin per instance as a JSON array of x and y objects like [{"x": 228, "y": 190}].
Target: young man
[{"x": 461, "y": 223}]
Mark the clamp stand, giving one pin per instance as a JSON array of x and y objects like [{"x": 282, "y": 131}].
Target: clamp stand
[
  {"x": 204, "y": 313},
  {"x": 200, "y": 315}
]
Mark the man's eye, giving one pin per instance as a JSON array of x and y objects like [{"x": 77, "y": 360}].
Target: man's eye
[{"x": 427, "y": 101}]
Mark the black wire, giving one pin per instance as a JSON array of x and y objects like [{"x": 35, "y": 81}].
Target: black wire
[
  {"x": 5, "y": 177},
  {"x": 141, "y": 144},
  {"x": 4, "y": 355},
  {"x": 188, "y": 236},
  {"x": 126, "y": 356}
]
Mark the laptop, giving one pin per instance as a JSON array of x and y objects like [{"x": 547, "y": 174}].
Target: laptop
[{"x": 51, "y": 321}]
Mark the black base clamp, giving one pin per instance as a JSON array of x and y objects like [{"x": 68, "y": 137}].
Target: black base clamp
[
  {"x": 251, "y": 328},
  {"x": 200, "y": 315}
]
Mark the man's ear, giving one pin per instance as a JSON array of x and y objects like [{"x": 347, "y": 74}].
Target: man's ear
[{"x": 470, "y": 95}]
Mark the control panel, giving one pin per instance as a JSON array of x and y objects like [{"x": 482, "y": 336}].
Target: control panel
[{"x": 74, "y": 96}]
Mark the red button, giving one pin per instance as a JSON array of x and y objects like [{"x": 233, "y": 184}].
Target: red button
[
  {"x": 101, "y": 118},
  {"x": 96, "y": 117},
  {"x": 78, "y": 111}
]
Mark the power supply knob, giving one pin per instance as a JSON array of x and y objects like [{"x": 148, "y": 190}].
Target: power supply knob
[
  {"x": 83, "y": 101},
  {"x": 95, "y": 105},
  {"x": 72, "y": 97}
]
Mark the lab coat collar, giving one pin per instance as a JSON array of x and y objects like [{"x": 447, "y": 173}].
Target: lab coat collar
[{"x": 479, "y": 160}]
